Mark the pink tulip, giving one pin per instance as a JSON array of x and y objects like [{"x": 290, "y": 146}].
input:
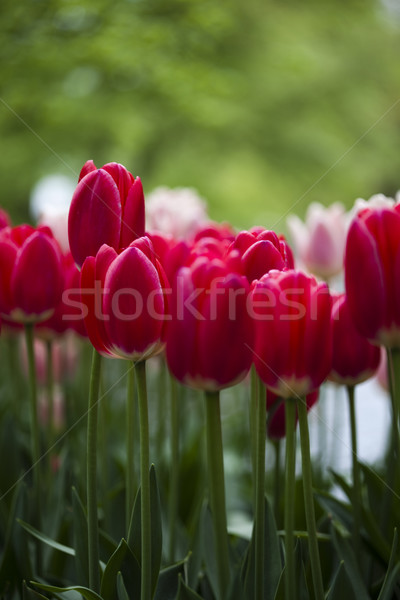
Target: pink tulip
[
  {"x": 179, "y": 212},
  {"x": 319, "y": 242},
  {"x": 31, "y": 276},
  {"x": 372, "y": 274},
  {"x": 292, "y": 317},
  {"x": 107, "y": 208}
]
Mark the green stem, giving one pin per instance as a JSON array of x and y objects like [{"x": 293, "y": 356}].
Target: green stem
[
  {"x": 260, "y": 492},
  {"x": 35, "y": 439},
  {"x": 394, "y": 370},
  {"x": 309, "y": 500},
  {"x": 130, "y": 444},
  {"x": 50, "y": 389},
  {"x": 277, "y": 480},
  {"x": 254, "y": 382},
  {"x": 356, "y": 472},
  {"x": 174, "y": 480},
  {"x": 91, "y": 474},
  {"x": 290, "y": 488},
  {"x": 145, "y": 515},
  {"x": 215, "y": 462},
  {"x": 393, "y": 449}
]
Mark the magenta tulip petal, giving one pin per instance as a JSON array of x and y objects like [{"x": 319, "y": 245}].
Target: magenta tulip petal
[
  {"x": 260, "y": 258},
  {"x": 94, "y": 216},
  {"x": 88, "y": 167},
  {"x": 37, "y": 279},
  {"x": 8, "y": 253},
  {"x": 91, "y": 298},
  {"x": 364, "y": 281},
  {"x": 133, "y": 217},
  {"x": 134, "y": 304},
  {"x": 225, "y": 336}
]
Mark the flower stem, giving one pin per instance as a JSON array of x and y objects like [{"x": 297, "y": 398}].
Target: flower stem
[
  {"x": 174, "y": 480},
  {"x": 290, "y": 487},
  {"x": 145, "y": 515},
  {"x": 130, "y": 444},
  {"x": 215, "y": 462},
  {"x": 254, "y": 383},
  {"x": 35, "y": 439},
  {"x": 260, "y": 492},
  {"x": 394, "y": 371},
  {"x": 356, "y": 472},
  {"x": 309, "y": 500},
  {"x": 91, "y": 474},
  {"x": 277, "y": 480}
]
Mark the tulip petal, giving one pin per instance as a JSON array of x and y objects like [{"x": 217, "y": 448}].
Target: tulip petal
[
  {"x": 91, "y": 298},
  {"x": 133, "y": 217},
  {"x": 134, "y": 304},
  {"x": 365, "y": 286},
  {"x": 8, "y": 253},
  {"x": 94, "y": 216},
  {"x": 37, "y": 279}
]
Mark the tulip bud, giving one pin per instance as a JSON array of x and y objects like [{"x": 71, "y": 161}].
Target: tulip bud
[
  {"x": 124, "y": 300},
  {"x": 107, "y": 208},
  {"x": 372, "y": 274},
  {"x": 292, "y": 319},
  {"x": 31, "y": 277},
  {"x": 210, "y": 336},
  {"x": 354, "y": 359}
]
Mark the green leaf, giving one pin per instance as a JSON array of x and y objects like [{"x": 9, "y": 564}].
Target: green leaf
[
  {"x": 122, "y": 560},
  {"x": 374, "y": 536},
  {"x": 80, "y": 531},
  {"x": 134, "y": 536},
  {"x": 85, "y": 592},
  {"x": 168, "y": 581},
  {"x": 346, "y": 554},
  {"x": 15, "y": 562},
  {"x": 208, "y": 551},
  {"x": 30, "y": 594},
  {"x": 341, "y": 588},
  {"x": 121, "y": 589},
  {"x": 393, "y": 572},
  {"x": 272, "y": 554},
  {"x": 302, "y": 589},
  {"x": 45, "y": 539},
  {"x": 340, "y": 510},
  {"x": 185, "y": 593}
]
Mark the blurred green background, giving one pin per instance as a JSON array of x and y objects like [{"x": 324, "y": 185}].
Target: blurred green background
[{"x": 262, "y": 106}]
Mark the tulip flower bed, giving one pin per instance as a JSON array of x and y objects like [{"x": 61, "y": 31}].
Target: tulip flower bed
[{"x": 151, "y": 450}]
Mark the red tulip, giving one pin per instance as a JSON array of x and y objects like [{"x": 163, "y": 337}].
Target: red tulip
[
  {"x": 31, "y": 277},
  {"x": 276, "y": 426},
  {"x": 124, "y": 299},
  {"x": 107, "y": 208},
  {"x": 354, "y": 359},
  {"x": 68, "y": 312},
  {"x": 262, "y": 250},
  {"x": 292, "y": 316},
  {"x": 210, "y": 336},
  {"x": 372, "y": 274}
]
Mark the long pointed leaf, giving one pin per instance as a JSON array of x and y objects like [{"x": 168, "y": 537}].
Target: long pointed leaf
[
  {"x": 346, "y": 554},
  {"x": 45, "y": 539},
  {"x": 85, "y": 592}
]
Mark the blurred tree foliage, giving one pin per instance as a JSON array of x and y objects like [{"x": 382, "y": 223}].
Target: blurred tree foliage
[{"x": 263, "y": 106}]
